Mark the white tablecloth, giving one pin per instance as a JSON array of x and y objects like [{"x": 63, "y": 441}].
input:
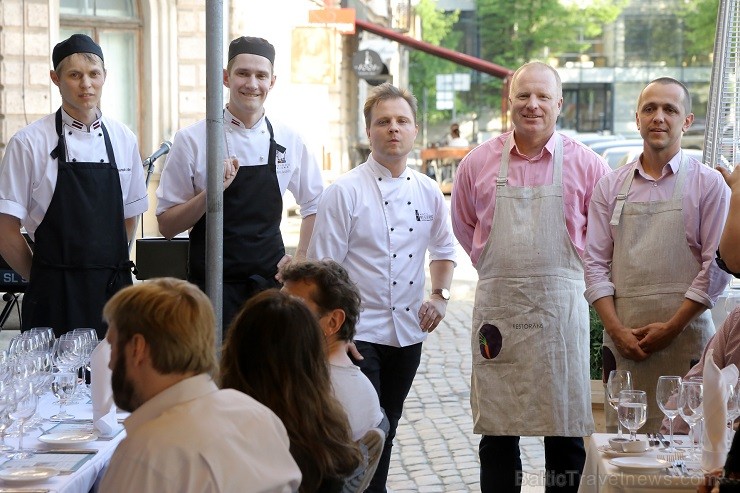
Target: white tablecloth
[
  {"x": 89, "y": 474},
  {"x": 601, "y": 477}
]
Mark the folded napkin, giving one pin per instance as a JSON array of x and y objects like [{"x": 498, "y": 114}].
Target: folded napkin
[
  {"x": 104, "y": 409},
  {"x": 714, "y": 449}
]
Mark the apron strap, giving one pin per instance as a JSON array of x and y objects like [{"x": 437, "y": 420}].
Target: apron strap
[
  {"x": 627, "y": 184},
  {"x": 622, "y": 196},
  {"x": 557, "y": 172}
]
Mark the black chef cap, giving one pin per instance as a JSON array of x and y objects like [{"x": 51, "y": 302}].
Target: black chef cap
[
  {"x": 253, "y": 46},
  {"x": 77, "y": 43}
]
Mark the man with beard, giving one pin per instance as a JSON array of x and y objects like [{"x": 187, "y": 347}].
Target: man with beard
[{"x": 184, "y": 434}]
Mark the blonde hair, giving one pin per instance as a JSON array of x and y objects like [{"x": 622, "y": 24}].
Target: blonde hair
[
  {"x": 384, "y": 92},
  {"x": 174, "y": 317}
]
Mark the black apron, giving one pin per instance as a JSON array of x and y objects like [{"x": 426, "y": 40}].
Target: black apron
[
  {"x": 253, "y": 244},
  {"x": 80, "y": 256}
]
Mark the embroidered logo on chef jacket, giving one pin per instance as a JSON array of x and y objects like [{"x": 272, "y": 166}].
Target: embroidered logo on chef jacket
[
  {"x": 280, "y": 156},
  {"x": 424, "y": 216}
]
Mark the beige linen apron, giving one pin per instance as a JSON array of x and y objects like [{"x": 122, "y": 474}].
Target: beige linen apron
[
  {"x": 652, "y": 268},
  {"x": 530, "y": 336}
]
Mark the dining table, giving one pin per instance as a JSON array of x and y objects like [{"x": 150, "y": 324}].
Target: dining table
[
  {"x": 652, "y": 471},
  {"x": 69, "y": 449}
]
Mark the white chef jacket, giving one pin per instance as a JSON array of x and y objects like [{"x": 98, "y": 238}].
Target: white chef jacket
[
  {"x": 185, "y": 174},
  {"x": 379, "y": 228},
  {"x": 28, "y": 174},
  {"x": 194, "y": 437}
]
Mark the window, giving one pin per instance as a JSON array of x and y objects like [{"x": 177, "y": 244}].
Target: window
[{"x": 115, "y": 25}]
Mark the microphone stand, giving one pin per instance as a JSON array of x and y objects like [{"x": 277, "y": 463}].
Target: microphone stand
[{"x": 148, "y": 165}]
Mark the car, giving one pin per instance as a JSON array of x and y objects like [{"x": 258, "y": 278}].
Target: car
[
  {"x": 613, "y": 155},
  {"x": 600, "y": 147}
]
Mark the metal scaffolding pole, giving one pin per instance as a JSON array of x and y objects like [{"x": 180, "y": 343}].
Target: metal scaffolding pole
[{"x": 214, "y": 152}]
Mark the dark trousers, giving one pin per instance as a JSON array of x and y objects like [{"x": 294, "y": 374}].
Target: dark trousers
[
  {"x": 501, "y": 464},
  {"x": 391, "y": 371}
]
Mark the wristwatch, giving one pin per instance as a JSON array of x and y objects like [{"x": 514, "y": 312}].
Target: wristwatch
[{"x": 443, "y": 292}]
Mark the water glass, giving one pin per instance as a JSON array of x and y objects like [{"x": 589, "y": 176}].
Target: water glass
[
  {"x": 618, "y": 381},
  {"x": 632, "y": 410},
  {"x": 63, "y": 386}
]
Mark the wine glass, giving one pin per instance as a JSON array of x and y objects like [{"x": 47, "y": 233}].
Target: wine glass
[
  {"x": 618, "y": 381},
  {"x": 667, "y": 396},
  {"x": 7, "y": 402},
  {"x": 63, "y": 386},
  {"x": 690, "y": 408},
  {"x": 632, "y": 410},
  {"x": 25, "y": 406}
]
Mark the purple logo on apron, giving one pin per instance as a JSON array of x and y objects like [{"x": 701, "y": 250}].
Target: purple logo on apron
[{"x": 489, "y": 338}]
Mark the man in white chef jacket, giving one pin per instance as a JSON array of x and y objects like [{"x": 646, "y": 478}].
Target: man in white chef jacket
[
  {"x": 265, "y": 158},
  {"x": 378, "y": 221},
  {"x": 75, "y": 182}
]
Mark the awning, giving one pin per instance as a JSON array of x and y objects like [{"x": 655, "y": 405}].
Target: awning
[
  {"x": 478, "y": 64},
  {"x": 454, "y": 56}
]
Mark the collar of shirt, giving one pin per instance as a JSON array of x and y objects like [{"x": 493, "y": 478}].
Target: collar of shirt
[
  {"x": 381, "y": 171},
  {"x": 549, "y": 147},
  {"x": 185, "y": 390},
  {"x": 78, "y": 125},
  {"x": 670, "y": 167},
  {"x": 234, "y": 121}
]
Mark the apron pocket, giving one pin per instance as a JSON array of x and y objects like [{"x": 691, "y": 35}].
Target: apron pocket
[{"x": 490, "y": 341}]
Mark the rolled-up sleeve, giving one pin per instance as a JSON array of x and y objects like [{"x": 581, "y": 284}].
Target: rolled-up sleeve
[
  {"x": 306, "y": 184},
  {"x": 711, "y": 281},
  {"x": 597, "y": 256}
]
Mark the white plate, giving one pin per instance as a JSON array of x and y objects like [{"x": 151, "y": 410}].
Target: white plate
[
  {"x": 68, "y": 437},
  {"x": 640, "y": 464},
  {"x": 610, "y": 452},
  {"x": 27, "y": 474}
]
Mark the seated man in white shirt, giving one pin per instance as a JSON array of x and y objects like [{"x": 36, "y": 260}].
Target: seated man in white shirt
[
  {"x": 328, "y": 291},
  {"x": 184, "y": 434}
]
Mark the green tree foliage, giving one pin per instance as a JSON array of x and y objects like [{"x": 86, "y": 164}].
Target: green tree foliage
[
  {"x": 700, "y": 23},
  {"x": 436, "y": 28}
]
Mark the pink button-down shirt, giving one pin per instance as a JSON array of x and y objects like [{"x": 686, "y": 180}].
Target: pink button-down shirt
[
  {"x": 474, "y": 193},
  {"x": 705, "y": 202}
]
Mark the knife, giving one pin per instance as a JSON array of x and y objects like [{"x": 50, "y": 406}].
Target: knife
[
  {"x": 662, "y": 439},
  {"x": 66, "y": 451},
  {"x": 23, "y": 490}
]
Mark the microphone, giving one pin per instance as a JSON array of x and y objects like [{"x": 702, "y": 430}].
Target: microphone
[{"x": 164, "y": 148}]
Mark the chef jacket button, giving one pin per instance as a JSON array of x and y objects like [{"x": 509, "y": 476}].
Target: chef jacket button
[
  {"x": 394, "y": 255},
  {"x": 411, "y": 229},
  {"x": 407, "y": 308},
  {"x": 380, "y": 179},
  {"x": 655, "y": 184},
  {"x": 394, "y": 283},
  {"x": 70, "y": 132},
  {"x": 411, "y": 255},
  {"x": 408, "y": 203},
  {"x": 262, "y": 158},
  {"x": 411, "y": 282},
  {"x": 100, "y": 135},
  {"x": 102, "y": 160},
  {"x": 393, "y": 308},
  {"x": 393, "y": 229},
  {"x": 408, "y": 178},
  {"x": 263, "y": 131},
  {"x": 74, "y": 160},
  {"x": 386, "y": 202}
]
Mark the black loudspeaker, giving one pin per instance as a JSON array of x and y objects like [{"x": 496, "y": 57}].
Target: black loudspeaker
[{"x": 158, "y": 257}]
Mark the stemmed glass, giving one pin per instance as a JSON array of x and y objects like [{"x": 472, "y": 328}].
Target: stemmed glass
[
  {"x": 632, "y": 410},
  {"x": 7, "y": 402},
  {"x": 690, "y": 400},
  {"x": 63, "y": 386},
  {"x": 25, "y": 407},
  {"x": 667, "y": 396},
  {"x": 618, "y": 381}
]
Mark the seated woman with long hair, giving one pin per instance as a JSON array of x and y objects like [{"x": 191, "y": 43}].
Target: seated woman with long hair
[{"x": 275, "y": 353}]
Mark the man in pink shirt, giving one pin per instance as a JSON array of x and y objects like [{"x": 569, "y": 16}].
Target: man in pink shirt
[
  {"x": 654, "y": 227},
  {"x": 519, "y": 208}
]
